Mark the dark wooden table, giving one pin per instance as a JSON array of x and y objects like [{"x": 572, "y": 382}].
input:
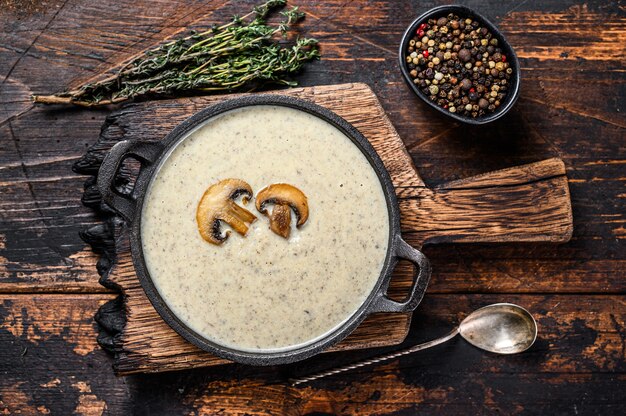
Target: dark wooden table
[{"x": 573, "y": 62}]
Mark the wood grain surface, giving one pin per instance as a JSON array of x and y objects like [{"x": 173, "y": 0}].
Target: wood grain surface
[
  {"x": 528, "y": 203},
  {"x": 571, "y": 107}
]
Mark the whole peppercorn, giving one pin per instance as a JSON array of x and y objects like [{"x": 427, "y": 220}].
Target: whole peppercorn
[
  {"x": 456, "y": 62},
  {"x": 465, "y": 55}
]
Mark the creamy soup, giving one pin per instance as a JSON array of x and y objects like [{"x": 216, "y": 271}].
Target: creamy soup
[{"x": 262, "y": 292}]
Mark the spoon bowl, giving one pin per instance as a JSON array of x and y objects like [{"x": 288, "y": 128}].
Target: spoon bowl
[{"x": 502, "y": 328}]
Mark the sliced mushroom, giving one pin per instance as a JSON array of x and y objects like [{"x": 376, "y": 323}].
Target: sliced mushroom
[
  {"x": 285, "y": 198},
  {"x": 218, "y": 204}
]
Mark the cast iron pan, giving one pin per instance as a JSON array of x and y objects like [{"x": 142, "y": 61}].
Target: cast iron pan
[{"x": 151, "y": 154}]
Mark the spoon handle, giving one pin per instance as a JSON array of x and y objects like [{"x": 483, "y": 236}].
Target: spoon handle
[{"x": 375, "y": 360}]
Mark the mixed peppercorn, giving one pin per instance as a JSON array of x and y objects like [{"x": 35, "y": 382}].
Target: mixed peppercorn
[{"x": 458, "y": 64}]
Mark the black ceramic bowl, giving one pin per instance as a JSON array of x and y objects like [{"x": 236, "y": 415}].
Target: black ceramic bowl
[
  {"x": 152, "y": 154},
  {"x": 464, "y": 12}
]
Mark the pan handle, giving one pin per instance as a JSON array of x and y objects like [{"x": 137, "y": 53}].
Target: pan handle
[
  {"x": 404, "y": 251},
  {"x": 145, "y": 152}
]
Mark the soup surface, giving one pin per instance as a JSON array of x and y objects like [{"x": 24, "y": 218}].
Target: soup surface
[{"x": 262, "y": 292}]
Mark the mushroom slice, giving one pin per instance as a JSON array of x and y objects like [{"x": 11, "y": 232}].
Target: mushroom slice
[
  {"x": 218, "y": 204},
  {"x": 285, "y": 198}
]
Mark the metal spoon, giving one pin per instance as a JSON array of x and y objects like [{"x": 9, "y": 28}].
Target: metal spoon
[{"x": 503, "y": 328}]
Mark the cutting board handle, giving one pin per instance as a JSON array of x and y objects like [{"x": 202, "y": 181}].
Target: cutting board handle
[{"x": 526, "y": 203}]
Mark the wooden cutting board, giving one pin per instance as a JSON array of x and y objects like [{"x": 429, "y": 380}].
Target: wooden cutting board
[{"x": 526, "y": 204}]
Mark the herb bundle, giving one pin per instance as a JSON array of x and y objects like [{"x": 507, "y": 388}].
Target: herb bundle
[{"x": 244, "y": 53}]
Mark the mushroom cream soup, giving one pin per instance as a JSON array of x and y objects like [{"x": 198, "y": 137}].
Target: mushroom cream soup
[{"x": 262, "y": 292}]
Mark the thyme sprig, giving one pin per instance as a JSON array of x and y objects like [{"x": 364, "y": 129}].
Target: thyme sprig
[{"x": 244, "y": 53}]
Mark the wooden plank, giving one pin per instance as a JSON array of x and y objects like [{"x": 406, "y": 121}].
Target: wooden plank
[
  {"x": 50, "y": 360},
  {"x": 40, "y": 210},
  {"x": 525, "y": 203},
  {"x": 386, "y": 393}
]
